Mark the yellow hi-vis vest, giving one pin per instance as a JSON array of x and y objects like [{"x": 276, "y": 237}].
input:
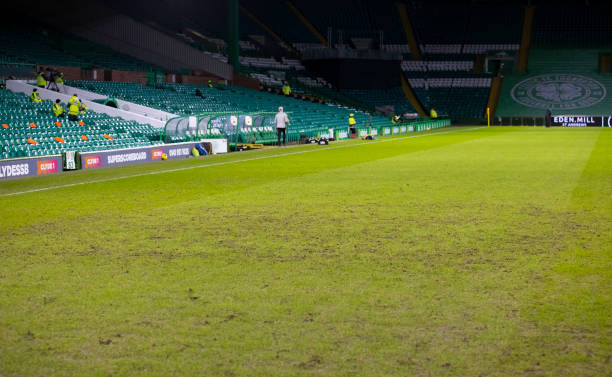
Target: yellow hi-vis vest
[
  {"x": 74, "y": 99},
  {"x": 60, "y": 79},
  {"x": 40, "y": 80},
  {"x": 286, "y": 90},
  {"x": 58, "y": 109},
  {"x": 35, "y": 97},
  {"x": 352, "y": 121},
  {"x": 433, "y": 113},
  {"x": 74, "y": 109}
]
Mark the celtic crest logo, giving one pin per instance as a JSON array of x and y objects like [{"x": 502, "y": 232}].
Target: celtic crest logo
[{"x": 558, "y": 92}]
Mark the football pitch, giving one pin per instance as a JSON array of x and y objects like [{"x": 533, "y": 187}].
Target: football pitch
[{"x": 465, "y": 251}]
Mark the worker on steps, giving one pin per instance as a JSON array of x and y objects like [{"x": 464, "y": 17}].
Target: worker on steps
[
  {"x": 352, "y": 125},
  {"x": 58, "y": 109},
  {"x": 41, "y": 82},
  {"x": 286, "y": 89},
  {"x": 35, "y": 97},
  {"x": 73, "y": 112},
  {"x": 74, "y": 99},
  {"x": 59, "y": 80}
]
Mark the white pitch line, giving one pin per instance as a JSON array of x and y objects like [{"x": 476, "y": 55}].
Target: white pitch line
[{"x": 230, "y": 162}]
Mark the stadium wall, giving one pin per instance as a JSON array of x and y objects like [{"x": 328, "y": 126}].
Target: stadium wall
[
  {"x": 70, "y": 73},
  {"x": 245, "y": 81}
]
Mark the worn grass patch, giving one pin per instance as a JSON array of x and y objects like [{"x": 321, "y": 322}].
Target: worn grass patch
[{"x": 469, "y": 253}]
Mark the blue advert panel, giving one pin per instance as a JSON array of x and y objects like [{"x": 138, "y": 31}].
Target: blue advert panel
[
  {"x": 120, "y": 157},
  {"x": 25, "y": 167}
]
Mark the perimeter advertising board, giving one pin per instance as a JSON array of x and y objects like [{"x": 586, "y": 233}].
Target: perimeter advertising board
[
  {"x": 24, "y": 167},
  {"x": 121, "y": 157},
  {"x": 581, "y": 121}
]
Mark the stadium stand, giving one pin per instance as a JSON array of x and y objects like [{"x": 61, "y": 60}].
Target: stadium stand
[
  {"x": 23, "y": 120},
  {"x": 380, "y": 98},
  {"x": 46, "y": 46},
  {"x": 460, "y": 24},
  {"x": 350, "y": 19},
  {"x": 572, "y": 27},
  {"x": 563, "y": 72},
  {"x": 280, "y": 18},
  {"x": 451, "y": 87},
  {"x": 180, "y": 99}
]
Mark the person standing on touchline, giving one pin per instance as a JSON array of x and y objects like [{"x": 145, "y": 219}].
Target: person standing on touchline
[{"x": 281, "y": 120}]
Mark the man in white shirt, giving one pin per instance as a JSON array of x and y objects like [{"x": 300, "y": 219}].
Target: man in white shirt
[{"x": 281, "y": 120}]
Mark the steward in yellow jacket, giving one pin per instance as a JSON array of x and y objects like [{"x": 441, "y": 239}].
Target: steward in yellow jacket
[
  {"x": 41, "y": 82},
  {"x": 35, "y": 97},
  {"x": 58, "y": 109},
  {"x": 73, "y": 112}
]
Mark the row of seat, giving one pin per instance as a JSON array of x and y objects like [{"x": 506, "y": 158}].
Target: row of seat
[
  {"x": 30, "y": 129},
  {"x": 447, "y": 65},
  {"x": 572, "y": 26},
  {"x": 453, "y": 48},
  {"x": 52, "y": 47},
  {"x": 481, "y": 82}
]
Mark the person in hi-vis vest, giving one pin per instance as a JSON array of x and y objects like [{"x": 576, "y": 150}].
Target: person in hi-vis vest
[
  {"x": 73, "y": 112},
  {"x": 35, "y": 97},
  {"x": 41, "y": 81},
  {"x": 58, "y": 109},
  {"x": 352, "y": 124}
]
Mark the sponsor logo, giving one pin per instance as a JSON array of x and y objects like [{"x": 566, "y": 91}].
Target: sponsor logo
[
  {"x": 92, "y": 162},
  {"x": 14, "y": 170},
  {"x": 156, "y": 154},
  {"x": 126, "y": 157},
  {"x": 46, "y": 167},
  {"x": 395, "y": 130},
  {"x": 581, "y": 121},
  {"x": 403, "y": 129},
  {"x": 386, "y": 131},
  {"x": 374, "y": 132},
  {"x": 558, "y": 92},
  {"x": 177, "y": 152},
  {"x": 574, "y": 121}
]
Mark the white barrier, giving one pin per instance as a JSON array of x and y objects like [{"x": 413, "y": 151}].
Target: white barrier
[{"x": 131, "y": 107}]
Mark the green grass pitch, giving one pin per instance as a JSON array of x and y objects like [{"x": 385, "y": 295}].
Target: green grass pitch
[{"x": 459, "y": 252}]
